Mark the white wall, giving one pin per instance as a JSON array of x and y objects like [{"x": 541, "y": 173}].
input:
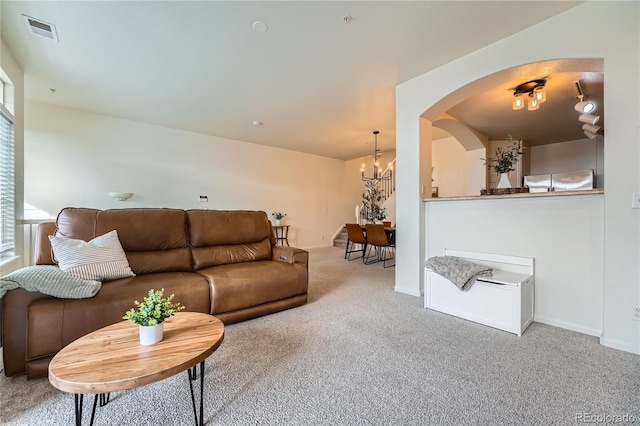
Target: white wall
[
  {"x": 16, "y": 75},
  {"x": 564, "y": 235},
  {"x": 615, "y": 37},
  {"x": 566, "y": 157},
  {"x": 449, "y": 167},
  {"x": 74, "y": 158},
  {"x": 456, "y": 171}
]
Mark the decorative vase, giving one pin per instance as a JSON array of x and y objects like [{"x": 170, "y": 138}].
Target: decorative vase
[
  {"x": 278, "y": 221},
  {"x": 150, "y": 334},
  {"x": 504, "y": 181}
]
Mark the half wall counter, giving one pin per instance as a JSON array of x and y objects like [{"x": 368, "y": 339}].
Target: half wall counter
[{"x": 563, "y": 231}]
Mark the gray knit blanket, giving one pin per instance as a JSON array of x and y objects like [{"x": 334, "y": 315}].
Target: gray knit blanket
[
  {"x": 50, "y": 280},
  {"x": 459, "y": 271}
]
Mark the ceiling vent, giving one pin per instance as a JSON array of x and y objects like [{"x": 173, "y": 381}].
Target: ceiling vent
[{"x": 41, "y": 28}]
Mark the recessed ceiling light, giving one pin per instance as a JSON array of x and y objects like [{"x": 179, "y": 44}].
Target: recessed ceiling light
[
  {"x": 260, "y": 27},
  {"x": 256, "y": 123}
]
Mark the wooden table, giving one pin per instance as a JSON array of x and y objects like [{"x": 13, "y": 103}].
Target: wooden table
[
  {"x": 112, "y": 359},
  {"x": 281, "y": 234}
]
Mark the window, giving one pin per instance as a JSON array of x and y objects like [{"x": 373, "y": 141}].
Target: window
[{"x": 7, "y": 184}]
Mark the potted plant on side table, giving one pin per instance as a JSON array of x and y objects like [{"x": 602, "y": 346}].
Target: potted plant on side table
[
  {"x": 151, "y": 314},
  {"x": 278, "y": 216}
]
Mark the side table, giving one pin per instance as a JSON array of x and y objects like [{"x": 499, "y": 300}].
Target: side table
[{"x": 282, "y": 234}]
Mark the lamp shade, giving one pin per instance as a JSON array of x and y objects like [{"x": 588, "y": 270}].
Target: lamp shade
[
  {"x": 585, "y": 106},
  {"x": 589, "y": 118},
  {"x": 540, "y": 93},
  {"x": 519, "y": 101},
  {"x": 534, "y": 104}
]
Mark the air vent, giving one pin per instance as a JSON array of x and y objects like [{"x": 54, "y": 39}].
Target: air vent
[{"x": 41, "y": 28}]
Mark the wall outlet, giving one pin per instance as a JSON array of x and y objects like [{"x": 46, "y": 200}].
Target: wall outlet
[
  {"x": 204, "y": 199},
  {"x": 635, "y": 312},
  {"x": 635, "y": 201}
]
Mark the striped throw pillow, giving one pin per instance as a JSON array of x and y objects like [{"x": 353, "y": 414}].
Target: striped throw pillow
[{"x": 101, "y": 259}]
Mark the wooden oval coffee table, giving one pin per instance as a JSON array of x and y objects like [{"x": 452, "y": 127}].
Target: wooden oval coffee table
[{"x": 111, "y": 359}]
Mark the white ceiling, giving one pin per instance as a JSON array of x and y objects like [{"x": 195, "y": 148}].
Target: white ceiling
[{"x": 318, "y": 84}]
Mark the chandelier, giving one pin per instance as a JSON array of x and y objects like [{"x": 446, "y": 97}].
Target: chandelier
[
  {"x": 376, "y": 166},
  {"x": 532, "y": 93}
]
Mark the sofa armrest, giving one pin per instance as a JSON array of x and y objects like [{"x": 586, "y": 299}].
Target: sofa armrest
[
  {"x": 290, "y": 255},
  {"x": 43, "y": 245}
]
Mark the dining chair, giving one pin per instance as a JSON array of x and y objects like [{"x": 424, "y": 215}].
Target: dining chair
[
  {"x": 384, "y": 248},
  {"x": 356, "y": 241}
]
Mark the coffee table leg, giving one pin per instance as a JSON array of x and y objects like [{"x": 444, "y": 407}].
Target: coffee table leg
[
  {"x": 79, "y": 398},
  {"x": 192, "y": 377}
]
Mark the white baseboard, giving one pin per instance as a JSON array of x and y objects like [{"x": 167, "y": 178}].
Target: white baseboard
[
  {"x": 317, "y": 247},
  {"x": 568, "y": 326},
  {"x": 620, "y": 345}
]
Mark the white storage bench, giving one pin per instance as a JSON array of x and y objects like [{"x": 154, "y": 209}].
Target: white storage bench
[{"x": 504, "y": 300}]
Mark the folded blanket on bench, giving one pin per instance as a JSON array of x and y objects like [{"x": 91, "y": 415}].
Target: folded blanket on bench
[
  {"x": 457, "y": 270},
  {"x": 50, "y": 280}
]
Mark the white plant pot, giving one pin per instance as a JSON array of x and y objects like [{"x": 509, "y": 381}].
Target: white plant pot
[
  {"x": 278, "y": 222},
  {"x": 150, "y": 334},
  {"x": 504, "y": 181}
]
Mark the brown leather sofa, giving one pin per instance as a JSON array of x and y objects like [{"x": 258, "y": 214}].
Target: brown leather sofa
[{"x": 224, "y": 263}]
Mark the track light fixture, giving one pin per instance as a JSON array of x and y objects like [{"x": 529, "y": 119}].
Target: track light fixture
[
  {"x": 590, "y": 135},
  {"x": 589, "y": 118},
  {"x": 582, "y": 105},
  {"x": 533, "y": 93},
  {"x": 591, "y": 128},
  {"x": 585, "y": 107}
]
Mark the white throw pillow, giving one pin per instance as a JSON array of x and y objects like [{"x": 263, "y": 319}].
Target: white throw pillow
[{"x": 100, "y": 259}]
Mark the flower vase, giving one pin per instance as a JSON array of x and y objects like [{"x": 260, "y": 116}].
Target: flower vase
[
  {"x": 278, "y": 221},
  {"x": 504, "y": 181},
  {"x": 150, "y": 334}
]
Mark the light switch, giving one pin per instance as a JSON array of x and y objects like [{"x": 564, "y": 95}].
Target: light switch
[{"x": 635, "y": 202}]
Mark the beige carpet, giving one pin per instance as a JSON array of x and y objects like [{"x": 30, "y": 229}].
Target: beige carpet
[{"x": 361, "y": 354}]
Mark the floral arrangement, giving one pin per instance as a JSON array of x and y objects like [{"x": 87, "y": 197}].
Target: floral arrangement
[
  {"x": 371, "y": 200},
  {"x": 154, "y": 309},
  {"x": 505, "y": 159},
  {"x": 278, "y": 215}
]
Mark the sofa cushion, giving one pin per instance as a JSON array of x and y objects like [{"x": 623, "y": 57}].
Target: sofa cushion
[
  {"x": 204, "y": 257},
  {"x": 242, "y": 285},
  {"x": 220, "y": 237},
  {"x": 54, "y": 323},
  {"x": 100, "y": 259},
  {"x": 155, "y": 240},
  {"x": 223, "y": 227}
]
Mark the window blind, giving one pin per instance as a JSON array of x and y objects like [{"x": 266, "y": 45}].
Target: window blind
[{"x": 7, "y": 186}]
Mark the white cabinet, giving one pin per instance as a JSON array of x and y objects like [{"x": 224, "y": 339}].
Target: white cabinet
[{"x": 504, "y": 301}]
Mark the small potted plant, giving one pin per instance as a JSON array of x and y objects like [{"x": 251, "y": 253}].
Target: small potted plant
[
  {"x": 504, "y": 159},
  {"x": 151, "y": 314},
  {"x": 278, "y": 217}
]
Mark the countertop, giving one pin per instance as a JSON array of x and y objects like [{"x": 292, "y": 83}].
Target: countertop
[{"x": 519, "y": 195}]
